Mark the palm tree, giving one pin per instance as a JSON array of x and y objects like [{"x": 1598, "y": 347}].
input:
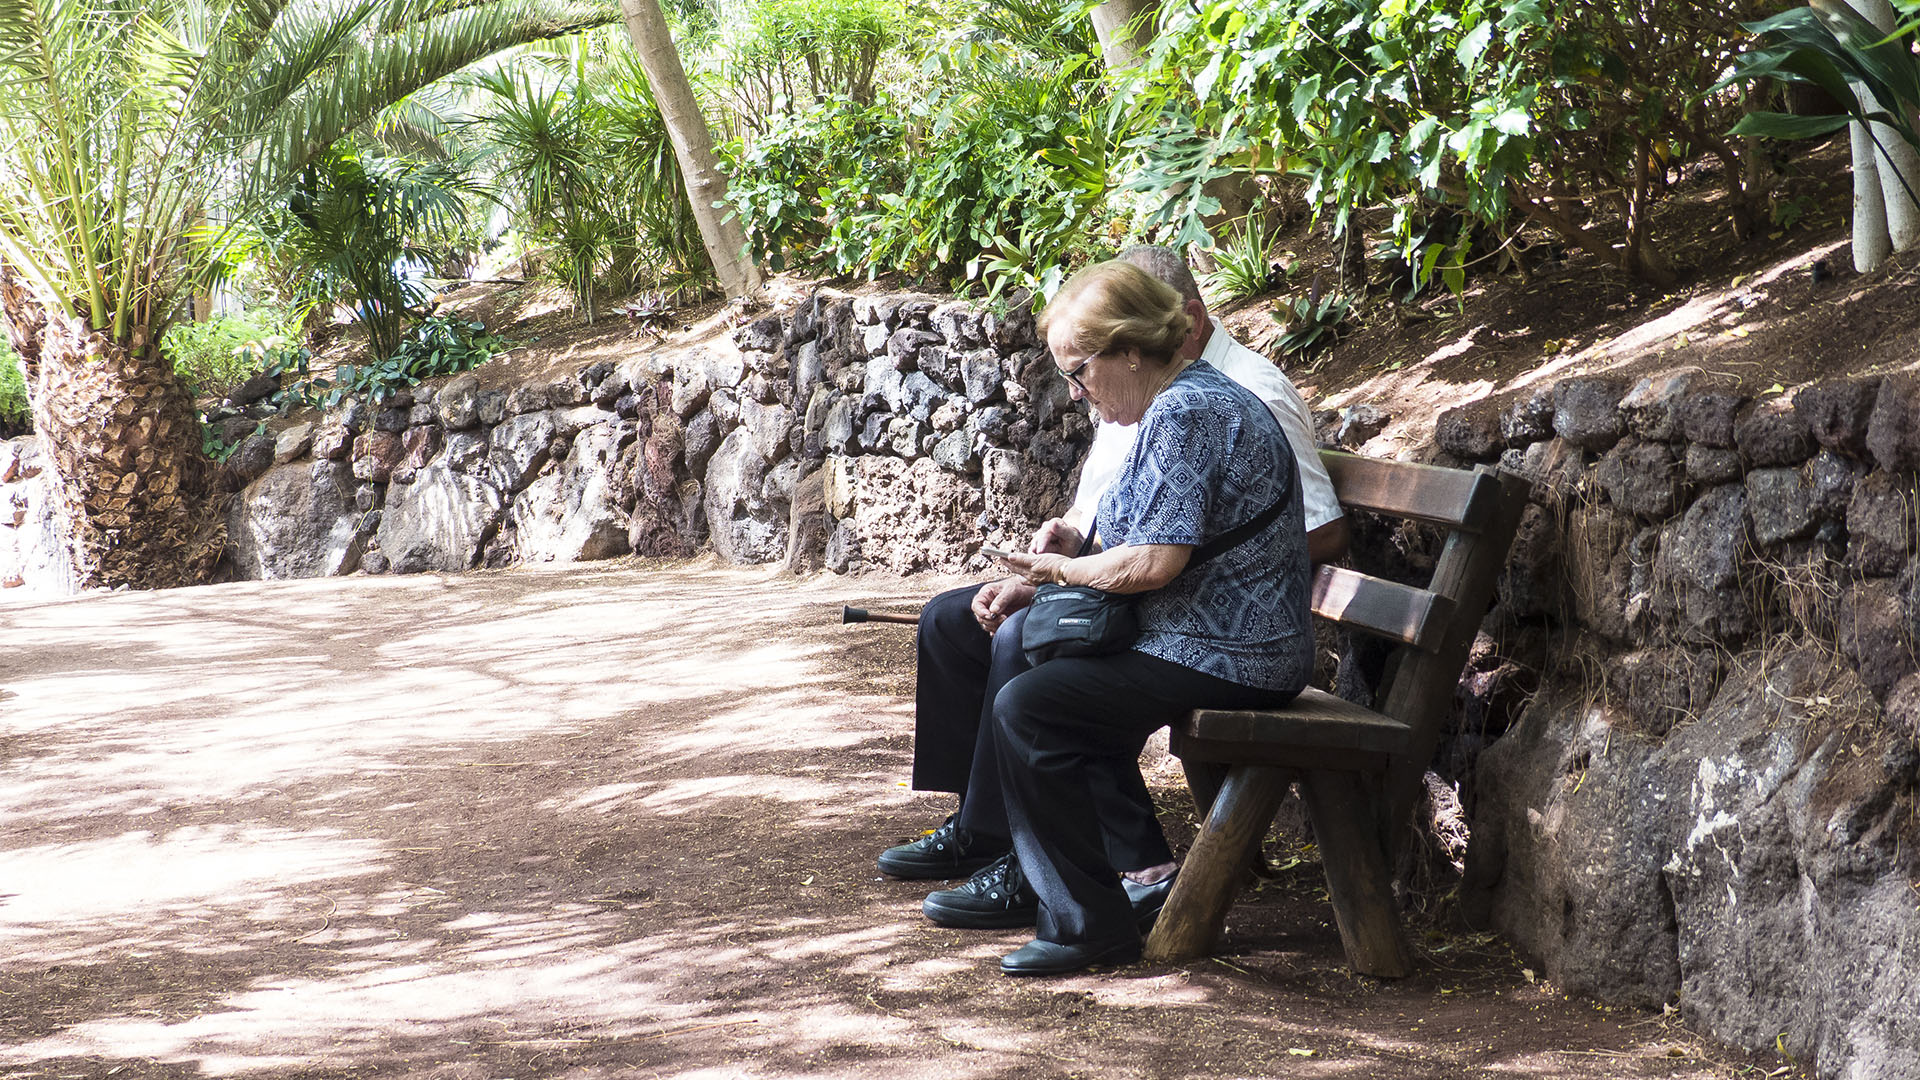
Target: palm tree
[
  {"x": 128, "y": 133},
  {"x": 706, "y": 185}
]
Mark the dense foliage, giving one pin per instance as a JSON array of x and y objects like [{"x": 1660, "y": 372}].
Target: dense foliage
[
  {"x": 217, "y": 352},
  {"x": 1498, "y": 108},
  {"x": 436, "y": 346},
  {"x": 1002, "y": 147},
  {"x": 981, "y": 144},
  {"x": 990, "y": 160}
]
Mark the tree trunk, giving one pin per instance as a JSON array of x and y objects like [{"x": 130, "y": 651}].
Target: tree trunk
[
  {"x": 693, "y": 144},
  {"x": 1892, "y": 162},
  {"x": 1871, "y": 245},
  {"x": 134, "y": 494},
  {"x": 1125, "y": 29}
]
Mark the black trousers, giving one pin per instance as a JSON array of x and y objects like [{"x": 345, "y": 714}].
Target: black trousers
[
  {"x": 1067, "y": 730},
  {"x": 961, "y": 671}
]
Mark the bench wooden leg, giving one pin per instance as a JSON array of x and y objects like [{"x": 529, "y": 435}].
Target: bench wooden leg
[
  {"x": 1346, "y": 826},
  {"x": 1197, "y": 906},
  {"x": 1203, "y": 782}
]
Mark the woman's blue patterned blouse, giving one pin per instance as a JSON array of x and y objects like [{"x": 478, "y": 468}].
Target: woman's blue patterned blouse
[{"x": 1209, "y": 458}]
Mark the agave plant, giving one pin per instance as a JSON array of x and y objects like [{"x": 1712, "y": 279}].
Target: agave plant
[{"x": 132, "y": 138}]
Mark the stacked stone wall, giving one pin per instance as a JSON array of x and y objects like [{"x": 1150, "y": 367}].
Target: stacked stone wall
[
  {"x": 1710, "y": 798},
  {"x": 897, "y": 431}
]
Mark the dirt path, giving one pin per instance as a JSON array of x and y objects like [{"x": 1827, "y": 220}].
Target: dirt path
[{"x": 590, "y": 822}]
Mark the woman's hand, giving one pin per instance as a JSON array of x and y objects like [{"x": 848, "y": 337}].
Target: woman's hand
[
  {"x": 997, "y": 600},
  {"x": 1038, "y": 569},
  {"x": 1059, "y": 536}
]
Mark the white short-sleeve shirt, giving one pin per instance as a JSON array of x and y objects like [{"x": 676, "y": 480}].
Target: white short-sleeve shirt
[{"x": 1268, "y": 383}]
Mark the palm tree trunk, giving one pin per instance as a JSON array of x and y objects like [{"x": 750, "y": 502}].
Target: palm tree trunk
[
  {"x": 134, "y": 493},
  {"x": 693, "y": 143}
]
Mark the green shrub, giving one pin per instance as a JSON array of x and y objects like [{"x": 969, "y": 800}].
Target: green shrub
[
  {"x": 789, "y": 53},
  {"x": 1497, "y": 107},
  {"x": 1245, "y": 263},
  {"x": 216, "y": 353},
  {"x": 436, "y": 346},
  {"x": 810, "y": 186},
  {"x": 13, "y": 390},
  {"x": 994, "y": 167},
  {"x": 355, "y": 216}
]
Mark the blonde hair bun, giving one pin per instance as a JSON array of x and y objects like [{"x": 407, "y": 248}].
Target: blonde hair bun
[{"x": 1112, "y": 306}]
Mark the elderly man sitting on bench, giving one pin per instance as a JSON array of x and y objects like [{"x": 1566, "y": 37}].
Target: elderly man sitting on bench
[{"x": 969, "y": 646}]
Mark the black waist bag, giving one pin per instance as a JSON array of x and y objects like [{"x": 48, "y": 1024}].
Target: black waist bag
[{"x": 1079, "y": 620}]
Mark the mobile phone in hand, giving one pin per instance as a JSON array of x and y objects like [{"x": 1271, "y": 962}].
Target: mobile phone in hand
[{"x": 996, "y": 553}]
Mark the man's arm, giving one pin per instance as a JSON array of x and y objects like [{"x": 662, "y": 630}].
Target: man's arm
[
  {"x": 1328, "y": 543},
  {"x": 1327, "y": 532}
]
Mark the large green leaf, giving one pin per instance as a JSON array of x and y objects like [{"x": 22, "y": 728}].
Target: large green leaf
[{"x": 1773, "y": 125}]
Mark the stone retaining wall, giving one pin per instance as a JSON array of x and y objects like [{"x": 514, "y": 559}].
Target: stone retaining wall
[
  {"x": 1711, "y": 798},
  {"x": 897, "y": 431}
]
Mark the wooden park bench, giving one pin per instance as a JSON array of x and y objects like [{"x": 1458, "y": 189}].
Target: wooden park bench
[{"x": 1359, "y": 769}]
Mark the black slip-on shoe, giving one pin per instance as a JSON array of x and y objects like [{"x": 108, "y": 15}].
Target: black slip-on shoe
[
  {"x": 1147, "y": 900},
  {"x": 945, "y": 853},
  {"x": 1052, "y": 958},
  {"x": 996, "y": 898}
]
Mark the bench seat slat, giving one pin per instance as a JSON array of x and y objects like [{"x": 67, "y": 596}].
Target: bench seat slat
[
  {"x": 1315, "y": 720},
  {"x": 1452, "y": 497},
  {"x": 1388, "y": 608}
]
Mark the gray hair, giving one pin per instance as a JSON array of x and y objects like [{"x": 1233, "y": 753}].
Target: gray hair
[{"x": 1166, "y": 264}]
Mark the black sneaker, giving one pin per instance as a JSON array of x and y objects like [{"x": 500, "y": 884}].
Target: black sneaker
[
  {"x": 946, "y": 853},
  {"x": 996, "y": 898}
]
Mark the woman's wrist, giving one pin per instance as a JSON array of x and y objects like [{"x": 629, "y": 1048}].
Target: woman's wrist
[{"x": 1060, "y": 571}]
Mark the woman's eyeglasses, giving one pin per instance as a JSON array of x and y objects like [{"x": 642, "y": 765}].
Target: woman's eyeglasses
[{"x": 1074, "y": 375}]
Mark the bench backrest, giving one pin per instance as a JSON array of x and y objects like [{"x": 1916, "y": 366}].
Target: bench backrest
[{"x": 1435, "y": 626}]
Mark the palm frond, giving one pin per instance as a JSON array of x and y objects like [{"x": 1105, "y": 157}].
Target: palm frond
[{"x": 125, "y": 125}]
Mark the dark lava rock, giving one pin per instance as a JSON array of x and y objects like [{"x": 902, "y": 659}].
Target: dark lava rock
[
  {"x": 1830, "y": 479},
  {"x": 1877, "y": 630},
  {"x": 491, "y": 407},
  {"x": 1880, "y": 524},
  {"x": 1642, "y": 478},
  {"x": 1836, "y": 412},
  {"x": 1470, "y": 432},
  {"x": 1711, "y": 464},
  {"x": 1530, "y": 419},
  {"x": 1772, "y": 433},
  {"x": 1652, "y": 407},
  {"x": 252, "y": 458},
  {"x": 763, "y": 334},
  {"x": 1697, "y": 574},
  {"x": 1586, "y": 412},
  {"x": 256, "y": 387},
  {"x": 1893, "y": 432},
  {"x": 1662, "y": 687},
  {"x": 1781, "y": 506},
  {"x": 1707, "y": 417}
]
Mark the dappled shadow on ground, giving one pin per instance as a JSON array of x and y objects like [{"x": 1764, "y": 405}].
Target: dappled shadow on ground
[{"x": 584, "y": 822}]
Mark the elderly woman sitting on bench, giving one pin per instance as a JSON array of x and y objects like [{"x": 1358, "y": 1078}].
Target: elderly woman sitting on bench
[{"x": 1231, "y": 632}]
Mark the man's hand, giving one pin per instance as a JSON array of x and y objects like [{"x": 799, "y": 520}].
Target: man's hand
[
  {"x": 1059, "y": 536},
  {"x": 998, "y": 599}
]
